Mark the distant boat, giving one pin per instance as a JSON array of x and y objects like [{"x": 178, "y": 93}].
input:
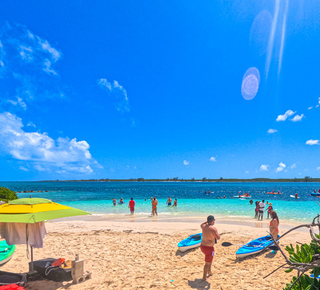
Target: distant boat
[
  {"x": 274, "y": 192},
  {"x": 242, "y": 196},
  {"x": 315, "y": 193}
]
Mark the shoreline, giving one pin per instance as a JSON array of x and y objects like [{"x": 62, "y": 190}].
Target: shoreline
[{"x": 129, "y": 222}]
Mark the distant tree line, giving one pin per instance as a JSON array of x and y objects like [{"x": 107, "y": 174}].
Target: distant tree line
[{"x": 204, "y": 179}]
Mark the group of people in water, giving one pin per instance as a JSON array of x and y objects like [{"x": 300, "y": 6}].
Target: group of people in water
[
  {"x": 154, "y": 204},
  {"x": 260, "y": 209}
]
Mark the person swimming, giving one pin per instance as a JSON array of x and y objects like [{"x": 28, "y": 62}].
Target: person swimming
[
  {"x": 175, "y": 203},
  {"x": 121, "y": 201},
  {"x": 114, "y": 201}
]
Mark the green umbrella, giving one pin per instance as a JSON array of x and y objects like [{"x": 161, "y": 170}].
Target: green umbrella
[{"x": 34, "y": 210}]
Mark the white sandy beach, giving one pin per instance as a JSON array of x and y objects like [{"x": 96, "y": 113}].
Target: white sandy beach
[{"x": 127, "y": 253}]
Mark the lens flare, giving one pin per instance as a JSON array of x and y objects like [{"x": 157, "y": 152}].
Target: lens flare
[{"x": 250, "y": 83}]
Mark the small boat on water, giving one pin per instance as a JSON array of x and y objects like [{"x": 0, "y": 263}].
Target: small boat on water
[
  {"x": 242, "y": 196},
  {"x": 6, "y": 252},
  {"x": 274, "y": 192},
  {"x": 315, "y": 193},
  {"x": 191, "y": 242},
  {"x": 254, "y": 247}
]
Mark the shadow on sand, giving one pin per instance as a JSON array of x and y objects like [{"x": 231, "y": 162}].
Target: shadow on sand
[
  {"x": 266, "y": 251},
  {"x": 182, "y": 254},
  {"x": 199, "y": 284}
]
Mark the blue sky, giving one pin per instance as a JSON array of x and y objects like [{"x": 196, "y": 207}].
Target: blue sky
[{"x": 158, "y": 89}]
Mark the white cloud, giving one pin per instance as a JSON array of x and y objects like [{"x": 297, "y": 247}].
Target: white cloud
[
  {"x": 247, "y": 172},
  {"x": 310, "y": 108},
  {"x": 23, "y": 168},
  {"x": 119, "y": 92},
  {"x": 28, "y": 61},
  {"x": 312, "y": 142},
  {"x": 213, "y": 159},
  {"x": 318, "y": 168},
  {"x": 185, "y": 162},
  {"x": 44, "y": 152},
  {"x": 297, "y": 118},
  {"x": 280, "y": 167},
  {"x": 293, "y": 166},
  {"x": 271, "y": 131},
  {"x": 285, "y": 115},
  {"x": 30, "y": 124},
  {"x": 264, "y": 167},
  {"x": 47, "y": 67},
  {"x": 26, "y": 52},
  {"x": 46, "y": 47},
  {"x": 19, "y": 102}
]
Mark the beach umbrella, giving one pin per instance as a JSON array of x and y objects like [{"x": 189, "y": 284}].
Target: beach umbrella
[{"x": 32, "y": 212}]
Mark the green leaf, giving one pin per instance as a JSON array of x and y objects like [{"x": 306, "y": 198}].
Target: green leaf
[{"x": 288, "y": 270}]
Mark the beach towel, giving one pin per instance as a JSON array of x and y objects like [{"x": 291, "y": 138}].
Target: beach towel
[
  {"x": 11, "y": 287},
  {"x": 21, "y": 233}
]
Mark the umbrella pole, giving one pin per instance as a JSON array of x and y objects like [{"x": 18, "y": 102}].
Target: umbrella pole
[{"x": 31, "y": 265}]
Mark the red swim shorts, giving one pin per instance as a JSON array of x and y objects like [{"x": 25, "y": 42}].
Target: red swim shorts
[
  {"x": 209, "y": 253},
  {"x": 131, "y": 208}
]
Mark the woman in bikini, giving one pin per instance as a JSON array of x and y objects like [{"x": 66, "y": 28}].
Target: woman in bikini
[
  {"x": 154, "y": 206},
  {"x": 269, "y": 209},
  {"x": 274, "y": 226},
  {"x": 175, "y": 203}
]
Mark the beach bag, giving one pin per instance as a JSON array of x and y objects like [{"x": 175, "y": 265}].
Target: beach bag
[{"x": 58, "y": 274}]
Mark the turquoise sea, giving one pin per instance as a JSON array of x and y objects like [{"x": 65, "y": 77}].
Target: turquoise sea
[{"x": 96, "y": 197}]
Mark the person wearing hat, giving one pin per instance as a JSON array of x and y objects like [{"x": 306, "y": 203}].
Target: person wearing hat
[
  {"x": 269, "y": 209},
  {"x": 210, "y": 236}
]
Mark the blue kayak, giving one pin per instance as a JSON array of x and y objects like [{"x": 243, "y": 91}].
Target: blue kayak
[
  {"x": 254, "y": 247},
  {"x": 191, "y": 242}
]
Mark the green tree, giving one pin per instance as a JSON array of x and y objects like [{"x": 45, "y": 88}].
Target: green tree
[
  {"x": 307, "y": 178},
  {"x": 304, "y": 254},
  {"x": 7, "y": 194},
  {"x": 204, "y": 179}
]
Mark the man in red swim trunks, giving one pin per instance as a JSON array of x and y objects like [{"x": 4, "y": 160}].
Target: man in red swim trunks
[
  {"x": 131, "y": 205},
  {"x": 210, "y": 236}
]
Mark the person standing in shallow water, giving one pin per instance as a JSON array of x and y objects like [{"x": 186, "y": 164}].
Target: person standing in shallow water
[
  {"x": 169, "y": 201},
  {"x": 261, "y": 210},
  {"x": 131, "y": 205},
  {"x": 154, "y": 204},
  {"x": 210, "y": 236}
]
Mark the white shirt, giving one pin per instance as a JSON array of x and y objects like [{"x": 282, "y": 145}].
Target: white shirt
[{"x": 261, "y": 206}]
